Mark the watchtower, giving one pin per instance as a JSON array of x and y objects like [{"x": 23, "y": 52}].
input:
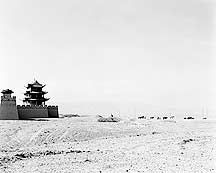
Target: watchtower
[
  {"x": 8, "y": 109},
  {"x": 35, "y": 94}
]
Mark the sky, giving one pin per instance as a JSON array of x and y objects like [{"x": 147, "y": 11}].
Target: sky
[{"x": 126, "y": 57}]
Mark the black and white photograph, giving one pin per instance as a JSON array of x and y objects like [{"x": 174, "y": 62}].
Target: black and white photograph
[{"x": 107, "y": 86}]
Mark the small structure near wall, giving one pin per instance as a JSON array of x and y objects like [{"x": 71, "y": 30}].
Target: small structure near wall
[{"x": 34, "y": 107}]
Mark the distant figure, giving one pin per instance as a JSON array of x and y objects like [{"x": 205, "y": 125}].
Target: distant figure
[
  {"x": 190, "y": 118},
  {"x": 112, "y": 115},
  {"x": 142, "y": 117},
  {"x": 164, "y": 118},
  {"x": 158, "y": 118}
]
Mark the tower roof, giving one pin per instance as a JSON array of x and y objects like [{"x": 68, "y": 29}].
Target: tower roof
[
  {"x": 35, "y": 84},
  {"x": 7, "y": 91}
]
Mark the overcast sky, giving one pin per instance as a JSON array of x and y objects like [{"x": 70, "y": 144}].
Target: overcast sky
[{"x": 113, "y": 56}]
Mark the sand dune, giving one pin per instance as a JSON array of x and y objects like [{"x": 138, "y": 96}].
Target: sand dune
[{"x": 81, "y": 144}]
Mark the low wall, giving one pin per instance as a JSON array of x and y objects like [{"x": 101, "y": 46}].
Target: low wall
[
  {"x": 26, "y": 112},
  {"x": 8, "y": 110},
  {"x": 53, "y": 111}
]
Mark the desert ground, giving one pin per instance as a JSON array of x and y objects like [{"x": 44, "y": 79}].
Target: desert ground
[{"x": 81, "y": 144}]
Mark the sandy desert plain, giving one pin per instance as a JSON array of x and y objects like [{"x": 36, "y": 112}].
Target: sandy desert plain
[{"x": 81, "y": 144}]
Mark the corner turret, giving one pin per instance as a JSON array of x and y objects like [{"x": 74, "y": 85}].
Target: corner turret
[{"x": 8, "y": 110}]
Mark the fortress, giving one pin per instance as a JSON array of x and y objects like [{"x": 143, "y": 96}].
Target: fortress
[{"x": 34, "y": 107}]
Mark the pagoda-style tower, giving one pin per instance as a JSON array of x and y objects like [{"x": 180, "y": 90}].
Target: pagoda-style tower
[{"x": 35, "y": 94}]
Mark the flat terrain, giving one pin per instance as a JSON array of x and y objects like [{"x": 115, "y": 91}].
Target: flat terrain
[{"x": 82, "y": 144}]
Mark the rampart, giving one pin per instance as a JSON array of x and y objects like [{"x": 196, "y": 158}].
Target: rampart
[
  {"x": 8, "y": 109},
  {"x": 29, "y": 111},
  {"x": 53, "y": 111},
  {"x": 26, "y": 112}
]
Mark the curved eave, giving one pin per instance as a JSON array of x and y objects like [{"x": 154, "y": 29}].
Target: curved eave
[
  {"x": 34, "y": 86},
  {"x": 7, "y": 91},
  {"x": 35, "y": 92},
  {"x": 30, "y": 99}
]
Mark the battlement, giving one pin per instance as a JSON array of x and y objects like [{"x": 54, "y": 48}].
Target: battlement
[
  {"x": 33, "y": 111},
  {"x": 53, "y": 107},
  {"x": 53, "y": 111},
  {"x": 3, "y": 98},
  {"x": 30, "y": 107},
  {"x": 8, "y": 109},
  {"x": 36, "y": 107}
]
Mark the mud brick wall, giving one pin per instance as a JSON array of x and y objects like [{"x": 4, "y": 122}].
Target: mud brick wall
[
  {"x": 26, "y": 112},
  {"x": 53, "y": 111},
  {"x": 8, "y": 109}
]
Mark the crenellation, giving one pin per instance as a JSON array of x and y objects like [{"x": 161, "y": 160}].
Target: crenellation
[
  {"x": 51, "y": 106},
  {"x": 53, "y": 111},
  {"x": 31, "y": 107},
  {"x": 8, "y": 99}
]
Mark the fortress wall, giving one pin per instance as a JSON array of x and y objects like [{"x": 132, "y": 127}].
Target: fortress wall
[
  {"x": 53, "y": 111},
  {"x": 26, "y": 112},
  {"x": 8, "y": 109}
]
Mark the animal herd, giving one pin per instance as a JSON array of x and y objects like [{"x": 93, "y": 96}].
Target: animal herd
[
  {"x": 158, "y": 118},
  {"x": 166, "y": 117}
]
